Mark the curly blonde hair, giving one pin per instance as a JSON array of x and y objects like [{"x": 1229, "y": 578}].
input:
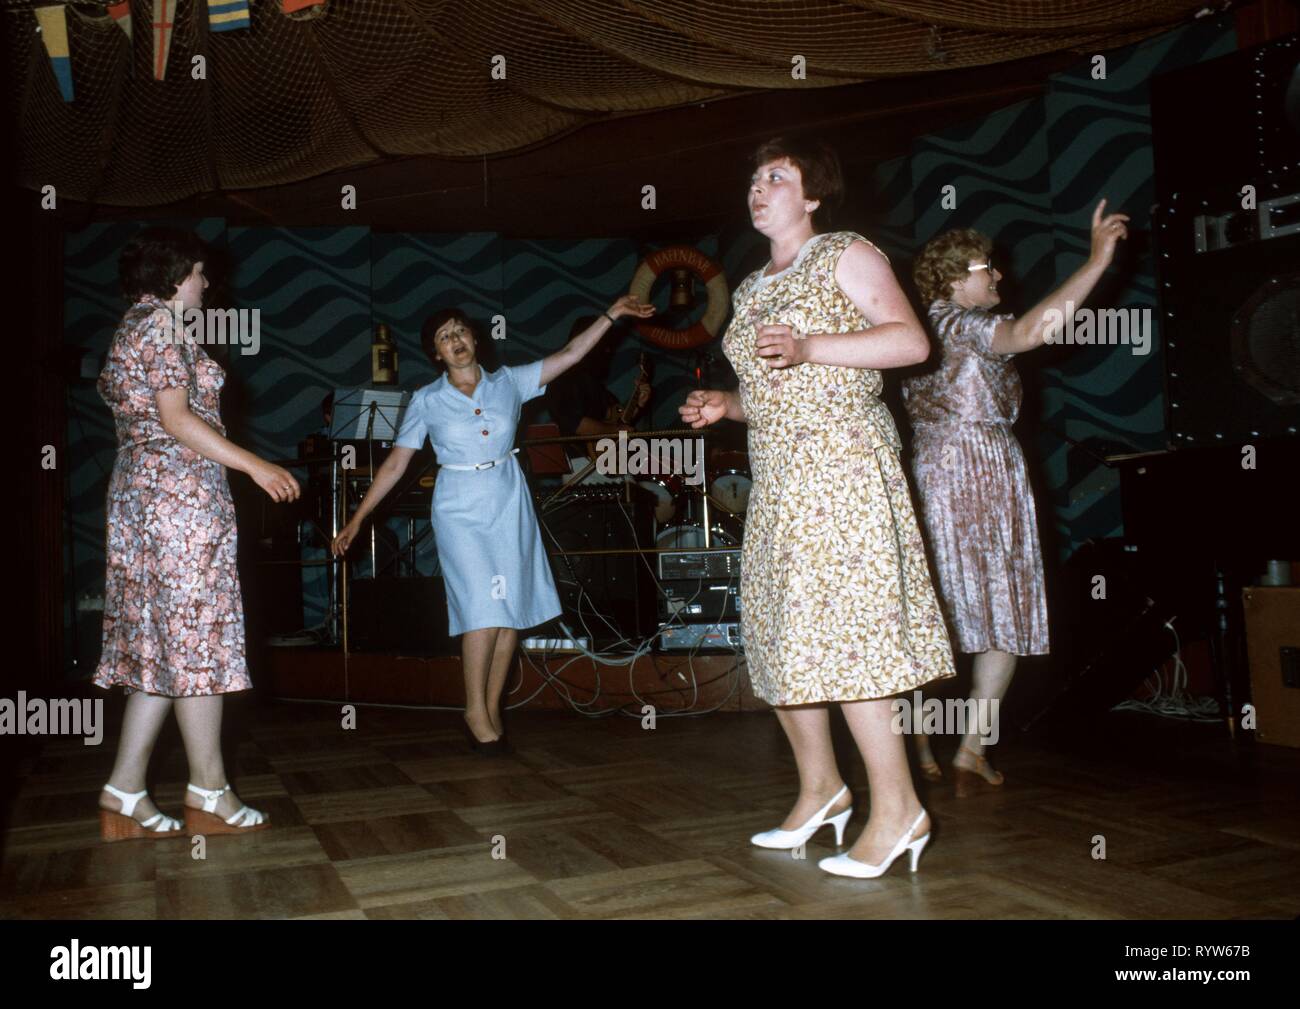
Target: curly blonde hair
[{"x": 946, "y": 258}]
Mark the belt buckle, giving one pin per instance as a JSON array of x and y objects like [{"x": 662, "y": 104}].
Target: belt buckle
[{"x": 486, "y": 465}]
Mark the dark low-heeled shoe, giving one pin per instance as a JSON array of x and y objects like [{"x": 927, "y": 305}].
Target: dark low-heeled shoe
[{"x": 489, "y": 749}]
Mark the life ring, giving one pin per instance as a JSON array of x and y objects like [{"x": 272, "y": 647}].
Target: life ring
[{"x": 715, "y": 284}]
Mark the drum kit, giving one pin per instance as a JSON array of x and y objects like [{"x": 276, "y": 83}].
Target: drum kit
[{"x": 679, "y": 508}]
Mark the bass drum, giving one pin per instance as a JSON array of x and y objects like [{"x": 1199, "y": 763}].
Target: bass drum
[
  {"x": 729, "y": 489},
  {"x": 726, "y": 533}
]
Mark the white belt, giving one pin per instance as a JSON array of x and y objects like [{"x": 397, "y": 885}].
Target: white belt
[{"x": 481, "y": 465}]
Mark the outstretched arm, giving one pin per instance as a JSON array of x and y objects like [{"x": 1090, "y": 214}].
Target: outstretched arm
[
  {"x": 555, "y": 365},
  {"x": 1035, "y": 327}
]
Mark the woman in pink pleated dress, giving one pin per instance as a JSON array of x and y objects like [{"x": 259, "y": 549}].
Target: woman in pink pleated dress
[{"x": 970, "y": 473}]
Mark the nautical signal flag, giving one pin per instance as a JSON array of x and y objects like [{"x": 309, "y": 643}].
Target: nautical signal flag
[
  {"x": 122, "y": 15},
  {"x": 53, "y": 23},
  {"x": 227, "y": 15},
  {"x": 164, "y": 20}
]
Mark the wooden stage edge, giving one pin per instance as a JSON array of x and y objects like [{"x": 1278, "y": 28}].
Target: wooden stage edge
[{"x": 699, "y": 683}]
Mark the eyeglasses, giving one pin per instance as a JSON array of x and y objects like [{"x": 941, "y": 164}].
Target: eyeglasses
[{"x": 983, "y": 266}]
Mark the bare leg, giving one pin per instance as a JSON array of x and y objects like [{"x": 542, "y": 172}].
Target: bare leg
[
  {"x": 924, "y": 755},
  {"x": 476, "y": 654},
  {"x": 991, "y": 679},
  {"x": 145, "y": 714},
  {"x": 809, "y": 732},
  {"x": 894, "y": 804},
  {"x": 502, "y": 656},
  {"x": 200, "y": 722}
]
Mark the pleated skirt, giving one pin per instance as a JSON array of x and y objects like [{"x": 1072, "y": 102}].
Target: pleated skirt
[{"x": 979, "y": 515}]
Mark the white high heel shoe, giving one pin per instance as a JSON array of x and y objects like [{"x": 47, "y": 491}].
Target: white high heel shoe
[
  {"x": 842, "y": 865},
  {"x": 788, "y": 839}
]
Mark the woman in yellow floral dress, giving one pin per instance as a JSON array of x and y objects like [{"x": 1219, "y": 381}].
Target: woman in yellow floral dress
[{"x": 836, "y": 596}]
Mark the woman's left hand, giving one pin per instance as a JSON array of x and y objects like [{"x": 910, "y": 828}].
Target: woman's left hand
[
  {"x": 778, "y": 347},
  {"x": 630, "y": 304}
]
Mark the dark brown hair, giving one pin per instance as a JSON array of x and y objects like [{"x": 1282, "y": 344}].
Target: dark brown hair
[
  {"x": 819, "y": 167},
  {"x": 157, "y": 261},
  {"x": 435, "y": 322}
]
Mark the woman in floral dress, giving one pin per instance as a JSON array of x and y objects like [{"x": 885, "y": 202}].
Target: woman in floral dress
[
  {"x": 835, "y": 593},
  {"x": 173, "y": 613}
]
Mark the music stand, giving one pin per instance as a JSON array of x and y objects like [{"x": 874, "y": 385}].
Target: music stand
[
  {"x": 369, "y": 415},
  {"x": 366, "y": 414}
]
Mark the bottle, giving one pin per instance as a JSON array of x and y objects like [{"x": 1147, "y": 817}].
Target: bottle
[{"x": 383, "y": 357}]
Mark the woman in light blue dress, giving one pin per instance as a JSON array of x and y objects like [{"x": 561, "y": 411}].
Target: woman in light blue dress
[{"x": 496, "y": 569}]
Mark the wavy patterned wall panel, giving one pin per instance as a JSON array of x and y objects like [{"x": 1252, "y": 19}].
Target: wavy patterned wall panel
[
  {"x": 548, "y": 285},
  {"x": 311, "y": 287},
  {"x": 895, "y": 214}
]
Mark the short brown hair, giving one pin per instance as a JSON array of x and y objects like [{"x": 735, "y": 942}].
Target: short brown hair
[
  {"x": 945, "y": 259},
  {"x": 435, "y": 322},
  {"x": 157, "y": 261},
  {"x": 819, "y": 167}
]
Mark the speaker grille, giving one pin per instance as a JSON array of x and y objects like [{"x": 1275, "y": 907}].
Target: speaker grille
[{"x": 1266, "y": 340}]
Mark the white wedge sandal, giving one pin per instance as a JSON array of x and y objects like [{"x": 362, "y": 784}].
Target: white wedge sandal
[
  {"x": 123, "y": 826},
  {"x": 206, "y": 821}
]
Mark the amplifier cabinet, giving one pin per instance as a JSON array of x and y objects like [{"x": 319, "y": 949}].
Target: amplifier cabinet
[{"x": 1273, "y": 648}]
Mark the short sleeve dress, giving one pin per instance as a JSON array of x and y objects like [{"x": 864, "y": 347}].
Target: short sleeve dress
[
  {"x": 835, "y": 593},
  {"x": 489, "y": 545},
  {"x": 173, "y": 612},
  {"x": 976, "y": 500}
]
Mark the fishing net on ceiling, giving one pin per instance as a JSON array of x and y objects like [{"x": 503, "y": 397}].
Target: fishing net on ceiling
[{"x": 347, "y": 82}]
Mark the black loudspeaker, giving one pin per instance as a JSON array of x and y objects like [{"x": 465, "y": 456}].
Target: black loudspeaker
[
  {"x": 1229, "y": 256},
  {"x": 407, "y": 615},
  {"x": 1108, "y": 628},
  {"x": 621, "y": 586}
]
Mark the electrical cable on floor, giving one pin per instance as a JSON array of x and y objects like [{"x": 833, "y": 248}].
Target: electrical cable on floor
[{"x": 1177, "y": 703}]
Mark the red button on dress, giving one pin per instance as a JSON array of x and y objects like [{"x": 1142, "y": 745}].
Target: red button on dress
[
  {"x": 477, "y": 412},
  {"x": 484, "y": 434}
]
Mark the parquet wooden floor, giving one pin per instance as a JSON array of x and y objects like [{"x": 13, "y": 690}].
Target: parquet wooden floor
[{"x": 603, "y": 819}]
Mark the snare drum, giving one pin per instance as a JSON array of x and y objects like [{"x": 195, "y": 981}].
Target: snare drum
[
  {"x": 729, "y": 489},
  {"x": 666, "y": 490}
]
